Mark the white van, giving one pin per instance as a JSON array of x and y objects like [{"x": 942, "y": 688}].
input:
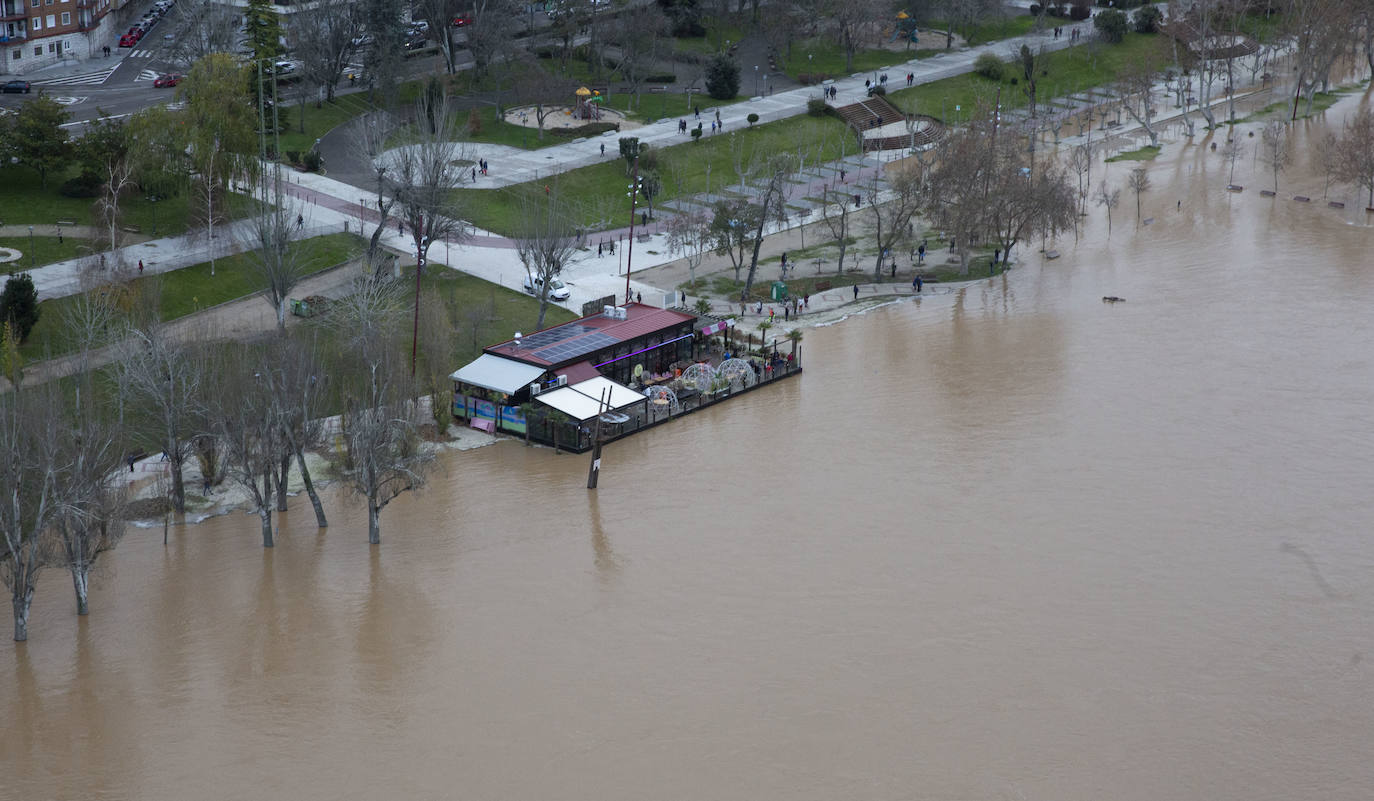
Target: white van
[{"x": 557, "y": 289}]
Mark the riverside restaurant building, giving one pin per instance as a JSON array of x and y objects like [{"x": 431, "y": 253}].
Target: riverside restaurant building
[{"x": 552, "y": 384}]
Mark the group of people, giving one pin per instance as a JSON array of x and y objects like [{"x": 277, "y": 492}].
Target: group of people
[{"x": 791, "y": 307}]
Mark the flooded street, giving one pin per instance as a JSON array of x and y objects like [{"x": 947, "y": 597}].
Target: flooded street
[{"x": 1008, "y": 542}]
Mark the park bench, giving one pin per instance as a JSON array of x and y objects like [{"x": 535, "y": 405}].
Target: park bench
[
  {"x": 131, "y": 229},
  {"x": 488, "y": 426},
  {"x": 66, "y": 222}
]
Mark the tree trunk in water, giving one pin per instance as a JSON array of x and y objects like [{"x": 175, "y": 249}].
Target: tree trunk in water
[
  {"x": 80, "y": 575},
  {"x": 178, "y": 486},
  {"x": 265, "y": 510},
  {"x": 374, "y": 530},
  {"x": 310, "y": 490},
  {"x": 281, "y": 482},
  {"x": 22, "y": 600}
]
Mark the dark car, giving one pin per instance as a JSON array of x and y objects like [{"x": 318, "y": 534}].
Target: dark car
[
  {"x": 416, "y": 43},
  {"x": 16, "y": 87}
]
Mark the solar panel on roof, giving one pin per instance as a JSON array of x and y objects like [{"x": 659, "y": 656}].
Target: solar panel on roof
[
  {"x": 549, "y": 336},
  {"x": 563, "y": 351}
]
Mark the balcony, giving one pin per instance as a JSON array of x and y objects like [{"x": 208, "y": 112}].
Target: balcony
[{"x": 19, "y": 36}]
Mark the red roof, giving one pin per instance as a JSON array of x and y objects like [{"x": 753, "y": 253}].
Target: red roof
[
  {"x": 575, "y": 341},
  {"x": 577, "y": 373}
]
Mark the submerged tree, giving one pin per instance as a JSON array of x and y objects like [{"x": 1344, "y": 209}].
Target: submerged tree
[
  {"x": 1139, "y": 183},
  {"x": 1276, "y": 151},
  {"x": 30, "y": 470},
  {"x": 1109, "y": 199},
  {"x": 1352, "y": 154}
]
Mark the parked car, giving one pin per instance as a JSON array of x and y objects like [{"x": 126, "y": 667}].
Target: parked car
[
  {"x": 16, "y": 87},
  {"x": 283, "y": 68},
  {"x": 419, "y": 25},
  {"x": 416, "y": 43},
  {"x": 170, "y": 79},
  {"x": 557, "y": 289},
  {"x": 364, "y": 40},
  {"x": 462, "y": 21},
  {"x": 130, "y": 39}
]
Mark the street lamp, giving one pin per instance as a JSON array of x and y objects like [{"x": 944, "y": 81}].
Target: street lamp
[
  {"x": 756, "y": 79},
  {"x": 30, "y": 247},
  {"x": 152, "y": 201}
]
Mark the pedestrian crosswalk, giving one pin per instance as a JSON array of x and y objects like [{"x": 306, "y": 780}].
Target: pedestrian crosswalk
[
  {"x": 141, "y": 54},
  {"x": 148, "y": 75},
  {"x": 87, "y": 79}
]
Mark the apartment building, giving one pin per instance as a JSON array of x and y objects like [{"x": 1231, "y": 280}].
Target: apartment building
[{"x": 36, "y": 33}]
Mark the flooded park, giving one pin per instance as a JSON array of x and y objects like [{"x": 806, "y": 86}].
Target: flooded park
[{"x": 1004, "y": 541}]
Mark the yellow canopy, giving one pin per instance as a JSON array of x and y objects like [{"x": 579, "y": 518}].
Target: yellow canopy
[
  {"x": 903, "y": 15},
  {"x": 583, "y": 92}
]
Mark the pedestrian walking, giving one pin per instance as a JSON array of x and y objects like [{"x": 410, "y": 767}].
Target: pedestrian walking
[
  {"x": 842, "y": 174},
  {"x": 771, "y": 312},
  {"x": 639, "y": 297},
  {"x": 598, "y": 250},
  {"x": 684, "y": 297},
  {"x": 643, "y": 218},
  {"x": 921, "y": 254},
  {"x": 474, "y": 175},
  {"x": 697, "y": 109},
  {"x": 786, "y": 312},
  {"x": 713, "y": 127},
  {"x": 400, "y": 228},
  {"x": 300, "y": 221},
  {"x": 140, "y": 266},
  {"x": 603, "y": 148},
  {"x": 856, "y": 291},
  {"x": 131, "y": 463},
  {"x": 894, "y": 268},
  {"x": 919, "y": 283},
  {"x": 857, "y": 201},
  {"x": 806, "y": 300},
  {"x": 717, "y": 115},
  {"x": 996, "y": 255},
  {"x": 1180, "y": 205}
]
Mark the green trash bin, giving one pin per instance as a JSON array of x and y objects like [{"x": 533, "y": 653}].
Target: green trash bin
[{"x": 779, "y": 290}]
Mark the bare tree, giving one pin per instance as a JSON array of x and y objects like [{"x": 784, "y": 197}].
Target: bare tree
[
  {"x": 492, "y": 32},
  {"x": 890, "y": 213},
  {"x": 689, "y": 234},
  {"x": 381, "y": 436},
  {"x": 1277, "y": 154},
  {"x": 1232, "y": 152},
  {"x": 246, "y": 419},
  {"x": 163, "y": 381},
  {"x": 302, "y": 408},
  {"x": 372, "y": 131},
  {"x": 206, "y": 26},
  {"x": 835, "y": 214},
  {"x": 545, "y": 92},
  {"x": 1108, "y": 199},
  {"x": 774, "y": 173},
  {"x": 1139, "y": 183},
  {"x": 440, "y": 14},
  {"x": 639, "y": 33},
  {"x": 1321, "y": 32},
  {"x": 323, "y": 41},
  {"x": 88, "y": 522},
  {"x": 961, "y": 183},
  {"x": 424, "y": 173},
  {"x": 1352, "y": 158},
  {"x": 275, "y": 254},
  {"x": 732, "y": 229},
  {"x": 546, "y": 241},
  {"x": 1137, "y": 80},
  {"x": 30, "y": 471}
]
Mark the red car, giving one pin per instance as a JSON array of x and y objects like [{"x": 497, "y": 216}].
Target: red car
[
  {"x": 131, "y": 38},
  {"x": 462, "y": 22},
  {"x": 170, "y": 79}
]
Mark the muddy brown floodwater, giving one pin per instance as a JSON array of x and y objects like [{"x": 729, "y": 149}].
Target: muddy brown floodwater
[{"x": 1008, "y": 542}]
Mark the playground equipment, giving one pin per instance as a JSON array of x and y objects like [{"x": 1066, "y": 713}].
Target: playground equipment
[{"x": 588, "y": 104}]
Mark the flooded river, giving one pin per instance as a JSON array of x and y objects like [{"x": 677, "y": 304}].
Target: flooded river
[{"x": 1005, "y": 543}]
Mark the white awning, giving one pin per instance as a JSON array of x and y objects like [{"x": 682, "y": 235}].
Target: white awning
[
  {"x": 582, "y": 401},
  {"x": 496, "y": 373}
]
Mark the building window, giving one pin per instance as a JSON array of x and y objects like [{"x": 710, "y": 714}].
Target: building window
[
  {"x": 18, "y": 54},
  {"x": 38, "y": 51},
  {"x": 52, "y": 20},
  {"x": 67, "y": 44},
  {"x": 37, "y": 24},
  {"x": 66, "y": 17},
  {"x": 35, "y": 3}
]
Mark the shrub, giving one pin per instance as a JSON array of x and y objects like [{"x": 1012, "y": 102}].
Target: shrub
[
  {"x": 1014, "y": 80},
  {"x": 1111, "y": 25},
  {"x": 1146, "y": 19},
  {"x": 84, "y": 185},
  {"x": 752, "y": 118},
  {"x": 696, "y": 134},
  {"x": 648, "y": 158},
  {"x": 312, "y": 161},
  {"x": 812, "y": 78},
  {"x": 666, "y": 77},
  {"x": 877, "y": 91},
  {"x": 19, "y": 305},
  {"x": 590, "y": 129},
  {"x": 817, "y": 107},
  {"x": 1034, "y": 9},
  {"x": 989, "y": 66},
  {"x": 722, "y": 78}
]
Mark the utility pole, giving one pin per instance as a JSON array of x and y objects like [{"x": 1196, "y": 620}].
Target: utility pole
[
  {"x": 630, "y": 247},
  {"x": 594, "y": 471}
]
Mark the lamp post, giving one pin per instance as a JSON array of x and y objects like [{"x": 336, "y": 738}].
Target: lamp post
[
  {"x": 30, "y": 247},
  {"x": 419, "y": 268},
  {"x": 362, "y": 210},
  {"x": 152, "y": 201},
  {"x": 756, "y": 79}
]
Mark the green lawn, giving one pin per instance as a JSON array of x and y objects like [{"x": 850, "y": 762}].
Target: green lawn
[
  {"x": 45, "y": 250},
  {"x": 187, "y": 290},
  {"x": 24, "y": 202},
  {"x": 1069, "y": 71},
  {"x": 319, "y": 121},
  {"x": 822, "y": 56},
  {"x": 1146, "y": 153},
  {"x": 719, "y": 35},
  {"x": 596, "y": 193}
]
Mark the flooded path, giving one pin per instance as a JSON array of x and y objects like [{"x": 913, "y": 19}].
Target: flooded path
[{"x": 1005, "y": 543}]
